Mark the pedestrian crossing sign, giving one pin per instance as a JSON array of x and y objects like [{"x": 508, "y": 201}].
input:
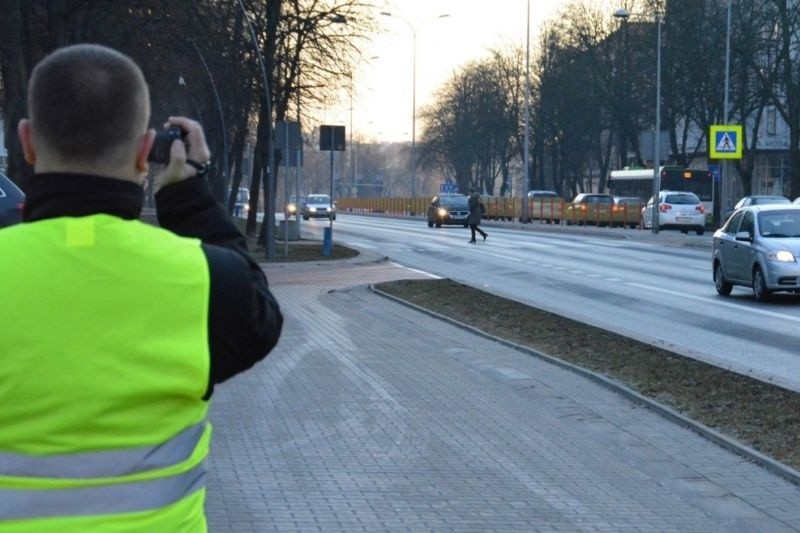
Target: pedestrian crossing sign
[{"x": 725, "y": 142}]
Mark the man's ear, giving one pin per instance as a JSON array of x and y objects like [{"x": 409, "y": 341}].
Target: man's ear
[
  {"x": 25, "y": 133},
  {"x": 143, "y": 150}
]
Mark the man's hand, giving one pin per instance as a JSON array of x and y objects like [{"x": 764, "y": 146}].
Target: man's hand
[{"x": 198, "y": 151}]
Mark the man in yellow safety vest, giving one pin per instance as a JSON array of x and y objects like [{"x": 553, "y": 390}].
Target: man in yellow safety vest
[{"x": 116, "y": 331}]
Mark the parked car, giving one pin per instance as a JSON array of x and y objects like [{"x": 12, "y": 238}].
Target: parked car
[
  {"x": 626, "y": 211},
  {"x": 758, "y": 247},
  {"x": 590, "y": 208},
  {"x": 448, "y": 209},
  {"x": 759, "y": 199},
  {"x": 11, "y": 201},
  {"x": 543, "y": 194},
  {"x": 545, "y": 205},
  {"x": 318, "y": 206},
  {"x": 679, "y": 210}
]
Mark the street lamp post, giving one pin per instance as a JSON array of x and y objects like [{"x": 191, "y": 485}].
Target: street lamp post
[
  {"x": 413, "y": 95},
  {"x": 269, "y": 215},
  {"x": 624, "y": 14},
  {"x": 526, "y": 148},
  {"x": 726, "y": 168}
]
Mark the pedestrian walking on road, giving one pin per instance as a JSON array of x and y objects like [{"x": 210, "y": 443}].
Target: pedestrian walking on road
[
  {"x": 116, "y": 331},
  {"x": 475, "y": 211}
]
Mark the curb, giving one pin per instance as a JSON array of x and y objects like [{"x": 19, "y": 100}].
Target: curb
[
  {"x": 363, "y": 257},
  {"x": 776, "y": 467}
]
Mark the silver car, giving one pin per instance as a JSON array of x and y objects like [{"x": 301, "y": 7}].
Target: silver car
[
  {"x": 758, "y": 247},
  {"x": 318, "y": 205},
  {"x": 757, "y": 200},
  {"x": 676, "y": 210}
]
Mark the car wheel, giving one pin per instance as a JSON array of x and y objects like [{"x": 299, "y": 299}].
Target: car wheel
[
  {"x": 685, "y": 231},
  {"x": 334, "y": 217},
  {"x": 438, "y": 224},
  {"x": 305, "y": 217},
  {"x": 760, "y": 290},
  {"x": 723, "y": 286},
  {"x": 466, "y": 225},
  {"x": 700, "y": 231},
  {"x": 430, "y": 224}
]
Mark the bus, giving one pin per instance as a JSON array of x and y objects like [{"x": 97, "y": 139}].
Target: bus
[{"x": 639, "y": 183}]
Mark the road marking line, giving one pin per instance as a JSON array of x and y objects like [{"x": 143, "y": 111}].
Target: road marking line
[
  {"x": 434, "y": 276},
  {"x": 706, "y": 299}
]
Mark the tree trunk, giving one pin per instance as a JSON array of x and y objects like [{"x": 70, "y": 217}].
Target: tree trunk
[{"x": 15, "y": 73}]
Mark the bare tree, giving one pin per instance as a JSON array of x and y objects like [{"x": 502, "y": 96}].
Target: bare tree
[{"x": 472, "y": 129}]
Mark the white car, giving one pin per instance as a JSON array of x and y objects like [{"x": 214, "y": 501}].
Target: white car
[{"x": 676, "y": 210}]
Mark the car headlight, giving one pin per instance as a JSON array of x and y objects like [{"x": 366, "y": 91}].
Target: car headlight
[
  {"x": 291, "y": 209},
  {"x": 312, "y": 209},
  {"x": 442, "y": 212},
  {"x": 783, "y": 256}
]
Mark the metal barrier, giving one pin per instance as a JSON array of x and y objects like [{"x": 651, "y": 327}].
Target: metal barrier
[{"x": 543, "y": 210}]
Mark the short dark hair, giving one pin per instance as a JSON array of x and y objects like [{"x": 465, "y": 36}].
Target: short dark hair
[{"x": 86, "y": 100}]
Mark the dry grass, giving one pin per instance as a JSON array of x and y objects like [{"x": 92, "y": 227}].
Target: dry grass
[
  {"x": 763, "y": 416},
  {"x": 300, "y": 250}
]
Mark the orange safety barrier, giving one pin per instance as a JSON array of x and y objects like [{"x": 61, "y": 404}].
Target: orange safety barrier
[{"x": 543, "y": 210}]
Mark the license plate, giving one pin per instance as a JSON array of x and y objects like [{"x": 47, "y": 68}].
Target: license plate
[{"x": 683, "y": 220}]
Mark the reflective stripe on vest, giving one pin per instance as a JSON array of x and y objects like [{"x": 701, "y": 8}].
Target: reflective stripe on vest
[
  {"x": 103, "y": 500},
  {"x": 104, "y": 464}
]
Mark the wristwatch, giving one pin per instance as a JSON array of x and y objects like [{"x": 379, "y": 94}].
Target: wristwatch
[{"x": 202, "y": 168}]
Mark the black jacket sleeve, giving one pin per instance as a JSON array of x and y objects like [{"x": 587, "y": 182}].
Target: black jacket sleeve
[{"x": 245, "y": 320}]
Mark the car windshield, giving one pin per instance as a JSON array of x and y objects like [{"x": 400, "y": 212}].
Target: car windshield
[
  {"x": 319, "y": 199},
  {"x": 681, "y": 199},
  {"x": 599, "y": 200},
  {"x": 453, "y": 200},
  {"x": 628, "y": 201},
  {"x": 543, "y": 194},
  {"x": 243, "y": 196},
  {"x": 779, "y": 224}
]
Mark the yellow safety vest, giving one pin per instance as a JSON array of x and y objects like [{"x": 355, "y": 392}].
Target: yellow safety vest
[{"x": 104, "y": 360}]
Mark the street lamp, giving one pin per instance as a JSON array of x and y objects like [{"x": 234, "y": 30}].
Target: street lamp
[
  {"x": 269, "y": 215},
  {"x": 624, "y": 14},
  {"x": 526, "y": 155},
  {"x": 413, "y": 95}
]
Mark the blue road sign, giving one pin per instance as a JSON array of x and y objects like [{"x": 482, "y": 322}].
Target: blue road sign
[
  {"x": 448, "y": 188},
  {"x": 716, "y": 172}
]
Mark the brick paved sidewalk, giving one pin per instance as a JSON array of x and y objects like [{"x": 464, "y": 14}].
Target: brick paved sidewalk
[{"x": 370, "y": 416}]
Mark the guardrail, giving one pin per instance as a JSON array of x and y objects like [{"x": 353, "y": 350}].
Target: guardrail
[{"x": 545, "y": 210}]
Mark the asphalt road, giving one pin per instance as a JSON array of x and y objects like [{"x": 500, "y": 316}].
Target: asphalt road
[{"x": 655, "y": 288}]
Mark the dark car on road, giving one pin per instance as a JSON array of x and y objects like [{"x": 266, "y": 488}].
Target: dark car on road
[
  {"x": 448, "y": 209},
  {"x": 11, "y": 202}
]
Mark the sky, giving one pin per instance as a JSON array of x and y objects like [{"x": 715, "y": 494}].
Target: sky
[{"x": 383, "y": 83}]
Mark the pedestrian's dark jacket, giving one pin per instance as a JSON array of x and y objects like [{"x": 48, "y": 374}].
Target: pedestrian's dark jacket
[
  {"x": 474, "y": 209},
  {"x": 245, "y": 320}
]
